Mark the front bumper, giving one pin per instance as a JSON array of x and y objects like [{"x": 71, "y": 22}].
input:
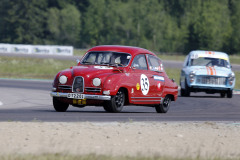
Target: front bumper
[
  {"x": 208, "y": 89},
  {"x": 87, "y": 96}
]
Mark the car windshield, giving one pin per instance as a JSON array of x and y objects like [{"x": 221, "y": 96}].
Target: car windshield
[
  {"x": 107, "y": 58},
  {"x": 206, "y": 61}
]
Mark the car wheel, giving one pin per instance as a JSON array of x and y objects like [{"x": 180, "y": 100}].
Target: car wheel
[
  {"x": 163, "y": 108},
  {"x": 59, "y": 106},
  {"x": 229, "y": 94},
  {"x": 222, "y": 94},
  {"x": 185, "y": 92},
  {"x": 116, "y": 103},
  {"x": 107, "y": 108}
]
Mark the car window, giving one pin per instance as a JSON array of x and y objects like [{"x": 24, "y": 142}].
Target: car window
[
  {"x": 154, "y": 63},
  {"x": 140, "y": 62},
  {"x": 206, "y": 61},
  {"x": 107, "y": 58}
]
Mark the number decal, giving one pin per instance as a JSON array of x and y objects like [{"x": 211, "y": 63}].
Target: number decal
[{"x": 144, "y": 84}]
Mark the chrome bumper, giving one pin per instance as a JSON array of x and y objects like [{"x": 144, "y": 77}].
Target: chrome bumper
[{"x": 87, "y": 96}]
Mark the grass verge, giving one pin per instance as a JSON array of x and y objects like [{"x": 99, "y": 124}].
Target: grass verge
[{"x": 32, "y": 68}]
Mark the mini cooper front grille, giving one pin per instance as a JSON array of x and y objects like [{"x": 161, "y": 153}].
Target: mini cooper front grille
[
  {"x": 65, "y": 87},
  {"x": 90, "y": 89},
  {"x": 211, "y": 80},
  {"x": 78, "y": 85}
]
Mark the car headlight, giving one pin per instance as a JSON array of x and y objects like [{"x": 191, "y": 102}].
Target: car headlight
[
  {"x": 192, "y": 76},
  {"x": 231, "y": 78},
  {"x": 63, "y": 79},
  {"x": 96, "y": 82}
]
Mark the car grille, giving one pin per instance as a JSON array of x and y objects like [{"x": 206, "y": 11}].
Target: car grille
[
  {"x": 90, "y": 89},
  {"x": 211, "y": 80},
  {"x": 65, "y": 87},
  {"x": 78, "y": 85}
]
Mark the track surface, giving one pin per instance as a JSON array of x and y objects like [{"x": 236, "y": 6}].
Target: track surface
[{"x": 24, "y": 100}]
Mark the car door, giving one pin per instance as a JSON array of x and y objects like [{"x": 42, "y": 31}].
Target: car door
[
  {"x": 157, "y": 75},
  {"x": 142, "y": 81}
]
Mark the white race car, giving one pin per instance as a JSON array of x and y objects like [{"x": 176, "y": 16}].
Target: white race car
[{"x": 207, "y": 71}]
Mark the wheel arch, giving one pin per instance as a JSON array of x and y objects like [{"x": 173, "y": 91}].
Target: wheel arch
[
  {"x": 125, "y": 90},
  {"x": 171, "y": 96}
]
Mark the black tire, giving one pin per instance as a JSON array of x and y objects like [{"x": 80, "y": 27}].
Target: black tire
[
  {"x": 229, "y": 94},
  {"x": 107, "y": 108},
  {"x": 116, "y": 103},
  {"x": 164, "y": 107},
  {"x": 222, "y": 94},
  {"x": 59, "y": 106},
  {"x": 185, "y": 92}
]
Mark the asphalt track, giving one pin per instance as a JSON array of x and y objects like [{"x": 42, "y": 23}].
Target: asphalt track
[{"x": 28, "y": 100}]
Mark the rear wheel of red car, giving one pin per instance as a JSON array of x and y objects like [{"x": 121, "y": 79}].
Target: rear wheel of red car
[
  {"x": 59, "y": 106},
  {"x": 164, "y": 107},
  {"x": 116, "y": 103}
]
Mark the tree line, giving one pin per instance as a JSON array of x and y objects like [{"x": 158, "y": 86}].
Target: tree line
[{"x": 171, "y": 26}]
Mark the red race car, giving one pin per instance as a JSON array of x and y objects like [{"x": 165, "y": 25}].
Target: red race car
[{"x": 112, "y": 77}]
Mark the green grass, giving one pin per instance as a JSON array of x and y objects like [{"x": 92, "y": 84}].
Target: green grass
[
  {"x": 174, "y": 74},
  {"x": 92, "y": 157},
  {"x": 79, "y": 52},
  {"x": 34, "y": 68}
]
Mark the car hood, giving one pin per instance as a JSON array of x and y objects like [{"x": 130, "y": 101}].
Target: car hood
[
  {"x": 216, "y": 71},
  {"x": 90, "y": 71}
]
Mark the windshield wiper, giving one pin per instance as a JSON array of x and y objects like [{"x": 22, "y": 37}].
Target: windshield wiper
[{"x": 87, "y": 63}]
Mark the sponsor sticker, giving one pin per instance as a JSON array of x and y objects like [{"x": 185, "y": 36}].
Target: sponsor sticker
[
  {"x": 158, "y": 78},
  {"x": 137, "y": 86},
  {"x": 144, "y": 84},
  {"x": 103, "y": 67}
]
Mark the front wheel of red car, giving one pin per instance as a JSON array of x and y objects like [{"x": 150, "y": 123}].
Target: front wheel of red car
[
  {"x": 164, "y": 107},
  {"x": 116, "y": 103},
  {"x": 59, "y": 106}
]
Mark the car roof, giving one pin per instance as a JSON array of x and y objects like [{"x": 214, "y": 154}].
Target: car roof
[
  {"x": 124, "y": 49},
  {"x": 213, "y": 54}
]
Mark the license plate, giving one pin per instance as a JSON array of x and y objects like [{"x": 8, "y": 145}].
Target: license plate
[{"x": 75, "y": 96}]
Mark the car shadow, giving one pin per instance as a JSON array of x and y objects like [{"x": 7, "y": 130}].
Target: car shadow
[{"x": 201, "y": 96}]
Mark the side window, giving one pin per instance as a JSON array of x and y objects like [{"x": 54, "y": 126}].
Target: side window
[
  {"x": 140, "y": 62},
  {"x": 154, "y": 63}
]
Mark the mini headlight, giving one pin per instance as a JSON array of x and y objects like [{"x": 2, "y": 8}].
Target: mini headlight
[
  {"x": 231, "y": 77},
  {"x": 191, "y": 76},
  {"x": 63, "y": 79},
  {"x": 96, "y": 82}
]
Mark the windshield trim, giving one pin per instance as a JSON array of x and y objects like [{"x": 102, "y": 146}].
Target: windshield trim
[{"x": 107, "y": 64}]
